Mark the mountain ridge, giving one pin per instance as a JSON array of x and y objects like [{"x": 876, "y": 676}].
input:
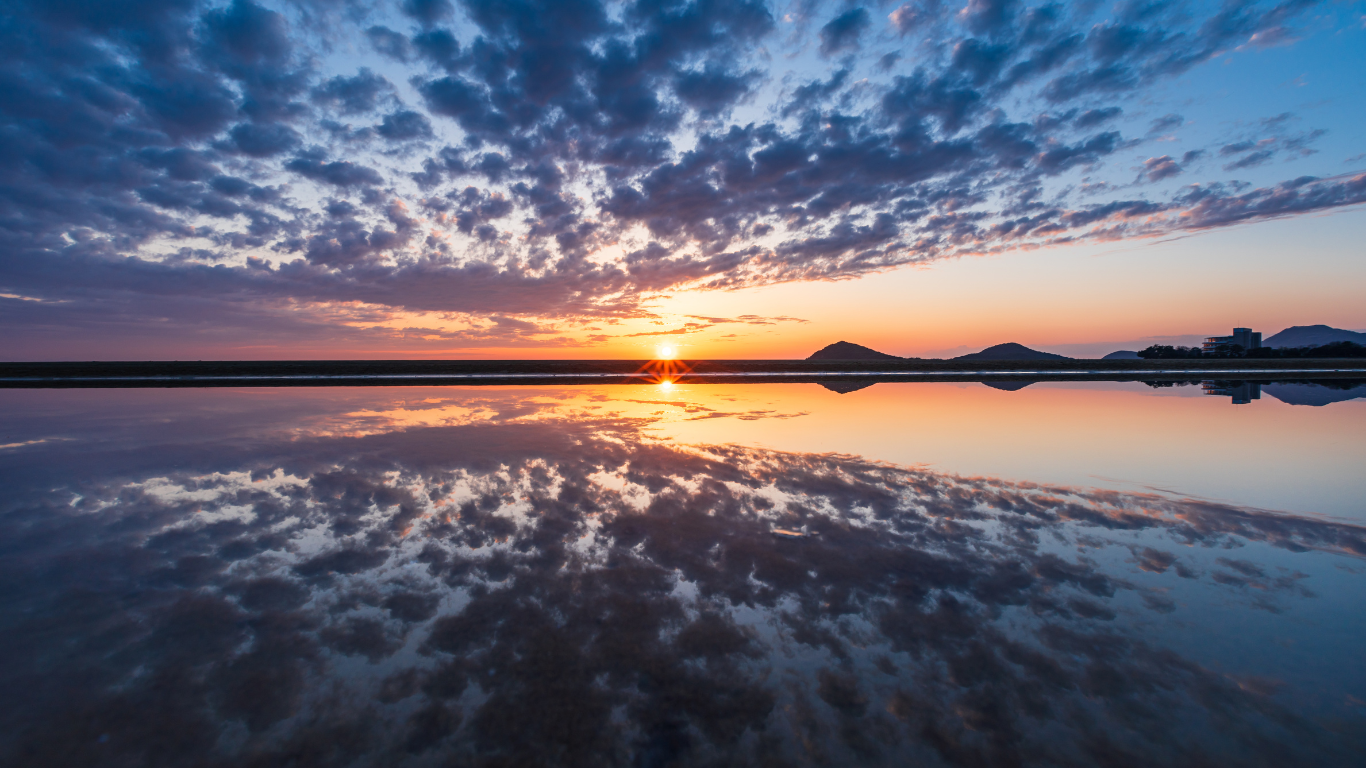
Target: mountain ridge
[
  {"x": 1294, "y": 336},
  {"x": 1011, "y": 351},
  {"x": 844, "y": 350},
  {"x": 1312, "y": 336}
]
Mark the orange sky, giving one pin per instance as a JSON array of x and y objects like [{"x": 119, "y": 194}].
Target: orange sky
[{"x": 1080, "y": 301}]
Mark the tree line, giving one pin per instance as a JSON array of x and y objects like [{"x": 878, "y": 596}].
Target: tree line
[{"x": 1335, "y": 349}]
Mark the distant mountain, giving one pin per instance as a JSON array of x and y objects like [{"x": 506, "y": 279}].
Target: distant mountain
[
  {"x": 1312, "y": 336},
  {"x": 1011, "y": 351},
  {"x": 1123, "y": 354},
  {"x": 843, "y": 350}
]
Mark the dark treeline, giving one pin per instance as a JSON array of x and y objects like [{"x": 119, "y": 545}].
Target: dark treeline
[
  {"x": 1336, "y": 349},
  {"x": 1165, "y": 352}
]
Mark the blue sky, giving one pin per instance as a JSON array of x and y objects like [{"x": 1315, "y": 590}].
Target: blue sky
[{"x": 747, "y": 179}]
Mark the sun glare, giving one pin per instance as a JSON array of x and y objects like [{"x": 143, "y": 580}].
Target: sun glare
[{"x": 666, "y": 352}]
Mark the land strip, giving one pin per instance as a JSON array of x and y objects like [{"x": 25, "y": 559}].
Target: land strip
[{"x": 495, "y": 372}]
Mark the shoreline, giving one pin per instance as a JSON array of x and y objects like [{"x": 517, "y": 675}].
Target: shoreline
[{"x": 533, "y": 372}]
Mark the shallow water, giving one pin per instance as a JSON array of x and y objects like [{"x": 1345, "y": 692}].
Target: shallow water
[{"x": 924, "y": 573}]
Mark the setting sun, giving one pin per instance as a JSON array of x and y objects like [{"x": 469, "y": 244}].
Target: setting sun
[{"x": 666, "y": 352}]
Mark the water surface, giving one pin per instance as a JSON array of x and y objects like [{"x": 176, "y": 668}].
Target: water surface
[{"x": 937, "y": 574}]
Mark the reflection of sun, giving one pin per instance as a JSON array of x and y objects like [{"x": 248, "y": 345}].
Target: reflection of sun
[
  {"x": 666, "y": 352},
  {"x": 663, "y": 371}
]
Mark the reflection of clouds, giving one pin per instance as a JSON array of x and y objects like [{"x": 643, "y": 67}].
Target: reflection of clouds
[
  {"x": 566, "y": 591},
  {"x": 684, "y": 410}
]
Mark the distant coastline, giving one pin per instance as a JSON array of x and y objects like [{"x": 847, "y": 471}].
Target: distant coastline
[
  {"x": 1299, "y": 341},
  {"x": 502, "y": 372}
]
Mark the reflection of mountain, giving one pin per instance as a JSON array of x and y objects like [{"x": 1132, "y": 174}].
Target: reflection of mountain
[
  {"x": 1298, "y": 393},
  {"x": 1292, "y": 392},
  {"x": 1009, "y": 386},
  {"x": 843, "y": 350},
  {"x": 527, "y": 589},
  {"x": 1011, "y": 351},
  {"x": 845, "y": 386},
  {"x": 1312, "y": 336}
]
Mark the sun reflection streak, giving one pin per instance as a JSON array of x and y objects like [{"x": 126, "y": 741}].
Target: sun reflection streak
[{"x": 664, "y": 371}]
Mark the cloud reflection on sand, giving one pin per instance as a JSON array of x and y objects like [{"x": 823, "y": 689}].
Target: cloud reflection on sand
[{"x": 509, "y": 583}]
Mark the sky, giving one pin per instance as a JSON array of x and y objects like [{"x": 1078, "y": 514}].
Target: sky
[{"x": 729, "y": 179}]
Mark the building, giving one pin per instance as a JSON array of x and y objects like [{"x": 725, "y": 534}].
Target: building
[{"x": 1243, "y": 337}]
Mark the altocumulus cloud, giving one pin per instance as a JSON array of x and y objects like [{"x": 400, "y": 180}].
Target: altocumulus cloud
[{"x": 238, "y": 167}]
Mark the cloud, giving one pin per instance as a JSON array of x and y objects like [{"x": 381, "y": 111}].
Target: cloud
[
  {"x": 392, "y": 44},
  {"x": 354, "y": 95},
  {"x": 1166, "y": 123},
  {"x": 750, "y": 319},
  {"x": 842, "y": 32},
  {"x": 405, "y": 125},
  {"x": 427, "y": 12},
  {"x": 1250, "y": 160},
  {"x": 1254, "y": 151},
  {"x": 263, "y": 140},
  {"x": 709, "y": 92},
  {"x": 145, "y": 145},
  {"x": 341, "y": 173},
  {"x": 1272, "y": 37},
  {"x": 984, "y": 16},
  {"x": 1159, "y": 168},
  {"x": 911, "y": 16},
  {"x": 1094, "y": 117}
]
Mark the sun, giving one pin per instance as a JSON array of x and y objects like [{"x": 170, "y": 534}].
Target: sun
[{"x": 664, "y": 369}]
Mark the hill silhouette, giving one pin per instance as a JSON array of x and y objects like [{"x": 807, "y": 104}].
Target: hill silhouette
[
  {"x": 843, "y": 350},
  {"x": 1011, "y": 351},
  {"x": 1123, "y": 354},
  {"x": 1312, "y": 336}
]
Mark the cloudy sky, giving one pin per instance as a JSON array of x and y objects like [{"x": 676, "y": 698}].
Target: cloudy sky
[{"x": 573, "y": 178}]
